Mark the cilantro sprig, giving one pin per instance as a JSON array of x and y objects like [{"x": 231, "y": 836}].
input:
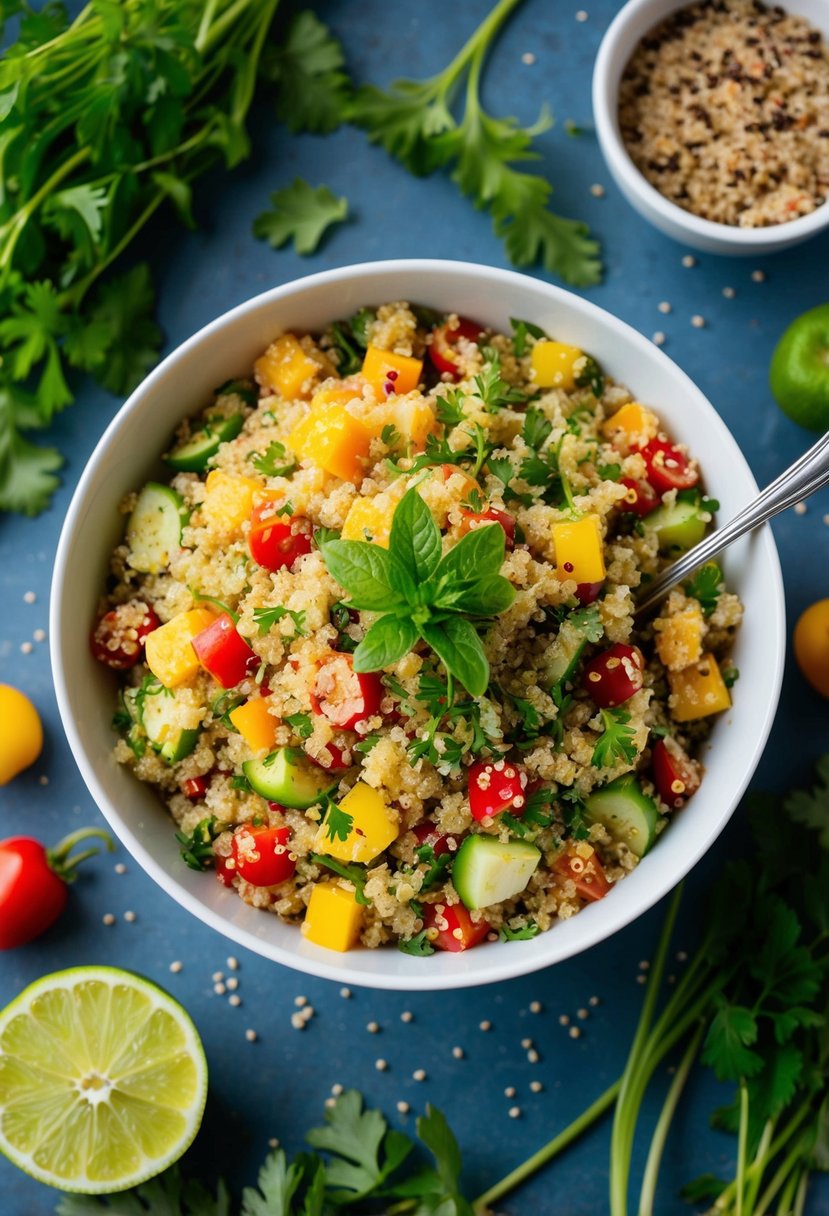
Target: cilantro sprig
[
  {"x": 616, "y": 742},
  {"x": 300, "y": 213}
]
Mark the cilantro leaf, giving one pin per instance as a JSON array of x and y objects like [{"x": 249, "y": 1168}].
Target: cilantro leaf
[
  {"x": 124, "y": 305},
  {"x": 354, "y": 873},
  {"x": 493, "y": 390},
  {"x": 811, "y": 809},
  {"x": 523, "y": 934},
  {"x": 300, "y": 724},
  {"x": 276, "y": 1187},
  {"x": 419, "y": 945},
  {"x": 728, "y": 1044},
  {"x": 536, "y": 429},
  {"x": 363, "y": 1151},
  {"x": 266, "y": 618},
  {"x": 706, "y": 585},
  {"x": 521, "y": 330},
  {"x": 300, "y": 213},
  {"x": 27, "y": 471},
  {"x": 312, "y": 88},
  {"x": 616, "y": 740},
  {"x": 197, "y": 847},
  {"x": 274, "y": 461},
  {"x": 337, "y": 822}
]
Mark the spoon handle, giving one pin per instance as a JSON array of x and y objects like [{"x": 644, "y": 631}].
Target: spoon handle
[{"x": 808, "y": 474}]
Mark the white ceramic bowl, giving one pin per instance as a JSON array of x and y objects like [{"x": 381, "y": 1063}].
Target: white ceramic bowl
[
  {"x": 127, "y": 456},
  {"x": 624, "y": 32}
]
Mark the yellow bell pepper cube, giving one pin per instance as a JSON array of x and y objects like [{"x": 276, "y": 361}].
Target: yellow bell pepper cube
[
  {"x": 679, "y": 638},
  {"x": 332, "y": 438},
  {"x": 286, "y": 368},
  {"x": 373, "y": 827},
  {"x": 698, "y": 691},
  {"x": 256, "y": 724},
  {"x": 228, "y": 500},
  {"x": 369, "y": 519},
  {"x": 579, "y": 552},
  {"x": 405, "y": 371},
  {"x": 554, "y": 363},
  {"x": 170, "y": 656},
  {"x": 333, "y": 917},
  {"x": 632, "y": 424}
]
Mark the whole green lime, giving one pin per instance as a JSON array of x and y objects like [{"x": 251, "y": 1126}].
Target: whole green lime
[{"x": 799, "y": 372}]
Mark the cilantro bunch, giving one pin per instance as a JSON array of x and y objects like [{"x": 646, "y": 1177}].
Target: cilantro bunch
[{"x": 421, "y": 595}]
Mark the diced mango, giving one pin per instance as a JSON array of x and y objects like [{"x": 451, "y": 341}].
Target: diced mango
[
  {"x": 632, "y": 424},
  {"x": 414, "y": 419},
  {"x": 554, "y": 364},
  {"x": 337, "y": 393},
  {"x": 679, "y": 637},
  {"x": 333, "y": 917},
  {"x": 405, "y": 371},
  {"x": 373, "y": 827},
  {"x": 579, "y": 552},
  {"x": 256, "y": 724},
  {"x": 286, "y": 368},
  {"x": 228, "y": 500},
  {"x": 369, "y": 519},
  {"x": 170, "y": 655},
  {"x": 332, "y": 438},
  {"x": 698, "y": 691}
]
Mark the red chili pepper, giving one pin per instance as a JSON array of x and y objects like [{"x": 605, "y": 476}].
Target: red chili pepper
[
  {"x": 641, "y": 498},
  {"x": 674, "y": 776},
  {"x": 614, "y": 675},
  {"x": 450, "y": 927},
  {"x": 33, "y": 883},
  {"x": 668, "y": 467},
  {"x": 118, "y": 638},
  {"x": 444, "y": 338},
  {"x": 474, "y": 519},
  {"x": 345, "y": 696},
  {"x": 276, "y": 541},
  {"x": 496, "y": 786},
  {"x": 263, "y": 856},
  {"x": 195, "y": 788},
  {"x": 586, "y": 872},
  {"x": 224, "y": 652}
]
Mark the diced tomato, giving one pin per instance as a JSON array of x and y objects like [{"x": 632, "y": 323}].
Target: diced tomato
[
  {"x": 194, "y": 788},
  {"x": 118, "y": 638},
  {"x": 586, "y": 872},
  {"x": 263, "y": 856},
  {"x": 276, "y": 541},
  {"x": 276, "y": 806},
  {"x": 337, "y": 762},
  {"x": 588, "y": 593},
  {"x": 474, "y": 519},
  {"x": 450, "y": 927},
  {"x": 496, "y": 786},
  {"x": 345, "y": 696},
  {"x": 440, "y": 842},
  {"x": 668, "y": 467},
  {"x": 444, "y": 339},
  {"x": 641, "y": 498},
  {"x": 614, "y": 675},
  {"x": 674, "y": 776},
  {"x": 225, "y": 869},
  {"x": 224, "y": 652}
]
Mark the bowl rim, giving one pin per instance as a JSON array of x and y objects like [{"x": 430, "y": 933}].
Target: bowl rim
[
  {"x": 605, "y": 89},
  {"x": 337, "y": 968}
]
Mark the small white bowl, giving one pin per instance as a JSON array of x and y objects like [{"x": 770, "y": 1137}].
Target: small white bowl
[
  {"x": 128, "y": 454},
  {"x": 633, "y": 21}
]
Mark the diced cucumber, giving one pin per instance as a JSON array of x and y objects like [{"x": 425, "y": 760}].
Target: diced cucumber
[
  {"x": 192, "y": 456},
  {"x": 158, "y": 711},
  {"x": 488, "y": 871},
  {"x": 628, "y": 814},
  {"x": 678, "y": 527},
  {"x": 287, "y": 776},
  {"x": 562, "y": 658},
  {"x": 154, "y": 528}
]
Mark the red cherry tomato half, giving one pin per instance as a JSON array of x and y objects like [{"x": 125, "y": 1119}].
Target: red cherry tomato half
[
  {"x": 674, "y": 776},
  {"x": 496, "y": 786},
  {"x": 444, "y": 338},
  {"x": 588, "y": 593},
  {"x": 345, "y": 696},
  {"x": 614, "y": 675},
  {"x": 668, "y": 467},
  {"x": 641, "y": 498},
  {"x": 194, "y": 788},
  {"x": 334, "y": 761},
  {"x": 587, "y": 872},
  {"x": 118, "y": 638},
  {"x": 440, "y": 842},
  {"x": 224, "y": 652},
  {"x": 225, "y": 869},
  {"x": 263, "y": 856},
  {"x": 276, "y": 541},
  {"x": 452, "y": 928},
  {"x": 476, "y": 519}
]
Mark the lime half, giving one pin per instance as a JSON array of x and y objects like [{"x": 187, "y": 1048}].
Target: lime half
[{"x": 103, "y": 1080}]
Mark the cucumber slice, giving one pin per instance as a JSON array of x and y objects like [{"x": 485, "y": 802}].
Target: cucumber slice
[
  {"x": 287, "y": 776},
  {"x": 678, "y": 527},
  {"x": 158, "y": 712},
  {"x": 628, "y": 814},
  {"x": 192, "y": 456},
  {"x": 488, "y": 871},
  {"x": 154, "y": 528},
  {"x": 580, "y": 627}
]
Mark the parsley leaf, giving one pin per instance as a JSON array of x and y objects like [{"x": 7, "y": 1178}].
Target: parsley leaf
[
  {"x": 274, "y": 461},
  {"x": 521, "y": 330},
  {"x": 300, "y": 213},
  {"x": 493, "y": 390},
  {"x": 312, "y": 88},
  {"x": 337, "y": 822},
  {"x": 266, "y": 618},
  {"x": 706, "y": 586},
  {"x": 197, "y": 847},
  {"x": 419, "y": 945},
  {"x": 616, "y": 741},
  {"x": 362, "y": 1150},
  {"x": 353, "y": 872},
  {"x": 524, "y": 933}
]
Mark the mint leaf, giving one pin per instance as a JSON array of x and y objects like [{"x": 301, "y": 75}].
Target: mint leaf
[
  {"x": 300, "y": 213},
  {"x": 368, "y": 574},
  {"x": 459, "y": 648},
  {"x": 386, "y": 641},
  {"x": 415, "y": 537},
  {"x": 483, "y": 597}
]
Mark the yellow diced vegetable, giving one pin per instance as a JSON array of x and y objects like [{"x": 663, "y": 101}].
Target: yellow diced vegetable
[
  {"x": 632, "y": 424},
  {"x": 256, "y": 724},
  {"x": 554, "y": 364},
  {"x": 332, "y": 438},
  {"x": 286, "y": 368},
  {"x": 228, "y": 500},
  {"x": 414, "y": 420},
  {"x": 170, "y": 656},
  {"x": 579, "y": 551},
  {"x": 369, "y": 519},
  {"x": 21, "y": 733},
  {"x": 679, "y": 637},
  {"x": 333, "y": 917},
  {"x": 373, "y": 827},
  {"x": 405, "y": 371},
  {"x": 698, "y": 691}
]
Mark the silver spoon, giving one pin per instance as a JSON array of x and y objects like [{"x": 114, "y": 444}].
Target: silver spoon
[{"x": 804, "y": 477}]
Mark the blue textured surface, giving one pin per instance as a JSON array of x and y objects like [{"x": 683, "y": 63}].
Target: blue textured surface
[{"x": 277, "y": 1086}]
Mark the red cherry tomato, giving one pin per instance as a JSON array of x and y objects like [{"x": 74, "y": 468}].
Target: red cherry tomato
[
  {"x": 440, "y": 842},
  {"x": 444, "y": 339},
  {"x": 674, "y": 776},
  {"x": 194, "y": 788},
  {"x": 475, "y": 519},
  {"x": 263, "y": 856},
  {"x": 586, "y": 872},
  {"x": 33, "y": 884},
  {"x": 345, "y": 696},
  {"x": 118, "y": 638},
  {"x": 224, "y": 652},
  {"x": 496, "y": 786},
  {"x": 335, "y": 762},
  {"x": 452, "y": 928},
  {"x": 276, "y": 541},
  {"x": 614, "y": 675},
  {"x": 588, "y": 593},
  {"x": 641, "y": 498},
  {"x": 225, "y": 869},
  {"x": 668, "y": 467}
]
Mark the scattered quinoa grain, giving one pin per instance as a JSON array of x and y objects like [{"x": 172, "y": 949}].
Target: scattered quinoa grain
[
  {"x": 29, "y": 597},
  {"x": 826, "y": 520},
  {"x": 729, "y": 293},
  {"x": 407, "y": 1016},
  {"x": 664, "y": 306},
  {"x": 217, "y": 975},
  {"x": 509, "y": 1092},
  {"x": 514, "y": 1112},
  {"x": 234, "y": 999},
  {"x": 535, "y": 1006},
  {"x": 43, "y": 779},
  {"x": 688, "y": 261},
  {"x": 26, "y": 647},
  {"x": 251, "y": 1036},
  {"x": 525, "y": 1043},
  {"x": 219, "y": 988},
  {"x": 574, "y": 1032},
  {"x": 39, "y": 635},
  {"x": 563, "y": 1020},
  {"x": 120, "y": 868},
  {"x": 108, "y": 918},
  {"x": 129, "y": 917},
  {"x": 597, "y": 190},
  {"x": 659, "y": 338},
  {"x": 641, "y": 979},
  {"x": 298, "y": 1021},
  {"x": 528, "y": 57},
  {"x": 582, "y": 1013},
  {"x": 373, "y": 1028},
  {"x": 581, "y": 15},
  {"x": 273, "y": 1142},
  {"x": 533, "y": 1056},
  {"x": 800, "y": 508},
  {"x": 536, "y": 1087},
  {"x": 307, "y": 1013},
  {"x": 419, "y": 1074},
  {"x": 594, "y": 1001},
  {"x": 336, "y": 1089},
  {"x": 681, "y": 956},
  {"x": 485, "y": 1025},
  {"x": 698, "y": 321},
  {"x": 176, "y": 967},
  {"x": 231, "y": 983},
  {"x": 345, "y": 993},
  {"x": 644, "y": 964},
  {"x": 330, "y": 1102},
  {"x": 758, "y": 276},
  {"x": 457, "y": 1052},
  {"x": 299, "y": 1001},
  {"x": 233, "y": 963},
  {"x": 403, "y": 1108},
  {"x": 381, "y": 1065}
]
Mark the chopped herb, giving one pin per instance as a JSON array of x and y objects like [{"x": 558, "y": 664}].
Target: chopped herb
[
  {"x": 521, "y": 330},
  {"x": 238, "y": 388},
  {"x": 390, "y": 435},
  {"x": 449, "y": 408},
  {"x": 592, "y": 377},
  {"x": 439, "y": 866},
  {"x": 354, "y": 873},
  {"x": 364, "y": 746},
  {"x": 197, "y": 847},
  {"x": 730, "y": 675},
  {"x": 337, "y": 822},
  {"x": 274, "y": 461},
  {"x": 572, "y": 812},
  {"x": 537, "y": 428},
  {"x": 223, "y": 707},
  {"x": 609, "y": 472},
  {"x": 706, "y": 586},
  {"x": 616, "y": 740},
  {"x": 301, "y": 213},
  {"x": 419, "y": 945},
  {"x": 266, "y": 618},
  {"x": 322, "y": 536},
  {"x": 240, "y": 782},
  {"x": 301, "y": 725},
  {"x": 493, "y": 390},
  {"x": 210, "y": 599},
  {"x": 524, "y": 934}
]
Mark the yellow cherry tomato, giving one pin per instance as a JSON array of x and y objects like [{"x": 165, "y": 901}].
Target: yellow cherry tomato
[
  {"x": 21, "y": 734},
  {"x": 811, "y": 646}
]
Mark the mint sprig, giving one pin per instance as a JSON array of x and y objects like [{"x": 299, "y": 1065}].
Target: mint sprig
[{"x": 423, "y": 595}]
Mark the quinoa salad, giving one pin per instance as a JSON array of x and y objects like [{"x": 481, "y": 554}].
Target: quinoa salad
[{"x": 375, "y": 638}]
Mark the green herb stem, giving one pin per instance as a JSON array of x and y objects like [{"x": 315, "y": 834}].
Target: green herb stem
[
  {"x": 660, "y": 1134},
  {"x": 475, "y": 47},
  {"x": 781, "y": 1174},
  {"x": 17, "y": 223}
]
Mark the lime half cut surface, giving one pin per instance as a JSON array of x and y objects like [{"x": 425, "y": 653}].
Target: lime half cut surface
[{"x": 103, "y": 1080}]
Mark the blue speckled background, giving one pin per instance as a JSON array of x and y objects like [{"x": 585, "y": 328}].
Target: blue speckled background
[{"x": 277, "y": 1086}]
